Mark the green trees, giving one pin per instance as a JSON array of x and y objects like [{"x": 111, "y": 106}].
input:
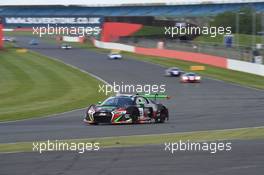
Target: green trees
[{"x": 244, "y": 21}]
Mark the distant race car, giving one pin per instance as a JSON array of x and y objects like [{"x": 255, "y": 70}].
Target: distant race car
[
  {"x": 125, "y": 109},
  {"x": 33, "y": 42},
  {"x": 9, "y": 39},
  {"x": 66, "y": 46},
  {"x": 173, "y": 71},
  {"x": 114, "y": 55},
  {"x": 190, "y": 77}
]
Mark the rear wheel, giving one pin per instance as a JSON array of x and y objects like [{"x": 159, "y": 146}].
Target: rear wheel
[
  {"x": 93, "y": 123},
  {"x": 133, "y": 113},
  {"x": 162, "y": 117}
]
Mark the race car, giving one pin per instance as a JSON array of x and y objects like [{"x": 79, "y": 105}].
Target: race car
[
  {"x": 33, "y": 42},
  {"x": 190, "y": 77},
  {"x": 128, "y": 109},
  {"x": 66, "y": 46},
  {"x": 173, "y": 71},
  {"x": 114, "y": 55},
  {"x": 9, "y": 39}
]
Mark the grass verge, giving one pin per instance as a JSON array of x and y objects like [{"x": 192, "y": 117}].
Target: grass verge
[
  {"x": 33, "y": 85},
  {"x": 244, "y": 40},
  {"x": 140, "y": 140}
]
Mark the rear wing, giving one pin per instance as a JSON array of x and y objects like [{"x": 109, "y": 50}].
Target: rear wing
[{"x": 155, "y": 96}]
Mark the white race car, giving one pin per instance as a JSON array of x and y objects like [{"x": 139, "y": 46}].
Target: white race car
[
  {"x": 114, "y": 56},
  {"x": 9, "y": 39},
  {"x": 173, "y": 71},
  {"x": 190, "y": 77},
  {"x": 66, "y": 46}
]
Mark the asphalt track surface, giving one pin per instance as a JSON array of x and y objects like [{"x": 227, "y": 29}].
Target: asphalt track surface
[
  {"x": 209, "y": 105},
  {"x": 245, "y": 158}
]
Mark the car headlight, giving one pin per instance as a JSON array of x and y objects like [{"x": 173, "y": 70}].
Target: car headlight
[
  {"x": 198, "y": 78},
  {"x": 185, "y": 78}
]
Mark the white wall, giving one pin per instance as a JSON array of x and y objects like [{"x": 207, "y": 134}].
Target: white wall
[
  {"x": 242, "y": 66},
  {"x": 117, "y": 46},
  {"x": 70, "y": 39}
]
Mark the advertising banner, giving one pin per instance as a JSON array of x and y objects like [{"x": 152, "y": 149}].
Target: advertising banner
[
  {"x": 27, "y": 21},
  {"x": 57, "y": 25}
]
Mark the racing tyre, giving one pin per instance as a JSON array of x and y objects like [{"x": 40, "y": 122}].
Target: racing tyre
[
  {"x": 93, "y": 123},
  {"x": 134, "y": 113},
  {"x": 162, "y": 117}
]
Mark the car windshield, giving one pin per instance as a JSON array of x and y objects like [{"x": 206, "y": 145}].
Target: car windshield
[
  {"x": 118, "y": 101},
  {"x": 191, "y": 74}
]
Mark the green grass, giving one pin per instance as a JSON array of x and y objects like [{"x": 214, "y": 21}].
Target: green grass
[
  {"x": 19, "y": 33},
  {"x": 140, "y": 140},
  {"x": 32, "y": 85},
  {"x": 244, "y": 40},
  {"x": 150, "y": 31}
]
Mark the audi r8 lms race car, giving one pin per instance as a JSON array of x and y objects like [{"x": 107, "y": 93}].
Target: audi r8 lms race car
[
  {"x": 173, "y": 71},
  {"x": 125, "y": 109},
  {"x": 114, "y": 55},
  {"x": 66, "y": 46},
  {"x": 190, "y": 77}
]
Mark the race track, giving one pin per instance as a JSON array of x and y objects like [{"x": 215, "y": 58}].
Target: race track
[
  {"x": 209, "y": 105},
  {"x": 245, "y": 158}
]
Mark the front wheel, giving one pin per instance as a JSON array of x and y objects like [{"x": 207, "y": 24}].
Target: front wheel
[{"x": 162, "y": 117}]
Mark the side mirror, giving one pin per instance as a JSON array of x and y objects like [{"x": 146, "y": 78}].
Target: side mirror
[{"x": 99, "y": 102}]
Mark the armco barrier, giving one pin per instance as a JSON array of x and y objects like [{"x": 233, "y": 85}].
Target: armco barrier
[
  {"x": 116, "y": 46},
  {"x": 71, "y": 39},
  {"x": 242, "y": 66},
  {"x": 188, "y": 56}
]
